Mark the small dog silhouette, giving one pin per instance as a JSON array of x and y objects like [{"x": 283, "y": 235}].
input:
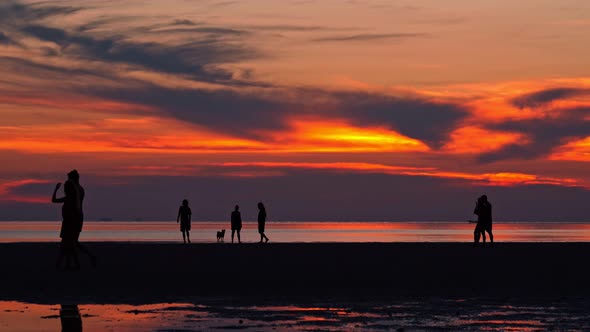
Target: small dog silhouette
[{"x": 220, "y": 235}]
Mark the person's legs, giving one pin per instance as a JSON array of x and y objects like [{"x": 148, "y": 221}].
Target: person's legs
[
  {"x": 261, "y": 235},
  {"x": 489, "y": 230},
  {"x": 61, "y": 254},
  {"x": 71, "y": 255},
  {"x": 75, "y": 257},
  {"x": 82, "y": 248},
  {"x": 183, "y": 237},
  {"x": 476, "y": 234},
  {"x": 232, "y": 235},
  {"x": 188, "y": 237},
  {"x": 265, "y": 237},
  {"x": 239, "y": 241}
]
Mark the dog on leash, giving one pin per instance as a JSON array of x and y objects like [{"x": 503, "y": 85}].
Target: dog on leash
[{"x": 220, "y": 235}]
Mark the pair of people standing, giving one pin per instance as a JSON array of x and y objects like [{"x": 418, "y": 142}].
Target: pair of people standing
[
  {"x": 72, "y": 221},
  {"x": 483, "y": 210},
  {"x": 236, "y": 223}
]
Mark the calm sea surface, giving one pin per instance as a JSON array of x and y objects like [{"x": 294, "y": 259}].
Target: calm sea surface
[{"x": 46, "y": 231}]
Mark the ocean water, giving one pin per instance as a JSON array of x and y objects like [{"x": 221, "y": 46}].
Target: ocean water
[
  {"x": 48, "y": 231},
  {"x": 414, "y": 315}
]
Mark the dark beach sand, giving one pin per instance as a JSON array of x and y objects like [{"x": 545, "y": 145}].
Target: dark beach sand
[{"x": 146, "y": 272}]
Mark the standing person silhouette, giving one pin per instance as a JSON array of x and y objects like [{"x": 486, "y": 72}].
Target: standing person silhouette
[
  {"x": 74, "y": 176},
  {"x": 483, "y": 210},
  {"x": 184, "y": 217},
  {"x": 236, "y": 223},
  {"x": 261, "y": 221},
  {"x": 70, "y": 225}
]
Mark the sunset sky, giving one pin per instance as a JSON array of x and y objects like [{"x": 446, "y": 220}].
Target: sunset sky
[{"x": 324, "y": 110}]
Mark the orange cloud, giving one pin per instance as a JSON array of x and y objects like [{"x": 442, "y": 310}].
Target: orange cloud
[
  {"x": 473, "y": 139},
  {"x": 574, "y": 151},
  {"x": 333, "y": 135},
  {"x": 161, "y": 135},
  {"x": 69, "y": 102},
  {"x": 493, "y": 179}
]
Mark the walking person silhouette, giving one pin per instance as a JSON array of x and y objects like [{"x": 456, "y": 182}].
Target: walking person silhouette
[
  {"x": 236, "y": 223},
  {"x": 261, "y": 221},
  {"x": 483, "y": 210},
  {"x": 184, "y": 217}
]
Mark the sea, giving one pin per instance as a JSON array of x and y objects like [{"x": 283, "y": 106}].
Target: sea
[{"x": 296, "y": 231}]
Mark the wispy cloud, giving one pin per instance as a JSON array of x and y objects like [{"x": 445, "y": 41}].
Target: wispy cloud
[
  {"x": 370, "y": 37},
  {"x": 7, "y": 191}
]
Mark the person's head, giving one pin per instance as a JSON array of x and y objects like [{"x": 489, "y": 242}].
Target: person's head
[
  {"x": 74, "y": 176},
  {"x": 237, "y": 208},
  {"x": 484, "y": 198},
  {"x": 184, "y": 202},
  {"x": 260, "y": 206}
]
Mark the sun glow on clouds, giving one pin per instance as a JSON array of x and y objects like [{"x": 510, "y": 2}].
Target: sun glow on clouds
[
  {"x": 574, "y": 151},
  {"x": 159, "y": 135},
  {"x": 471, "y": 139},
  {"x": 340, "y": 136}
]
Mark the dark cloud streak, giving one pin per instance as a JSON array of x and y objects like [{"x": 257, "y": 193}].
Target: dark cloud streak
[
  {"x": 194, "y": 59},
  {"x": 370, "y": 37},
  {"x": 15, "y": 13},
  {"x": 544, "y": 97},
  {"x": 4, "y": 39},
  {"x": 546, "y": 134}
]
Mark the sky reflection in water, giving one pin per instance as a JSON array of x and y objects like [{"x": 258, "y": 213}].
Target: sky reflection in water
[{"x": 462, "y": 314}]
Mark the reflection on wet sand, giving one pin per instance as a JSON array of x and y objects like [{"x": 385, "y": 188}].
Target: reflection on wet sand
[
  {"x": 70, "y": 318},
  {"x": 459, "y": 314}
]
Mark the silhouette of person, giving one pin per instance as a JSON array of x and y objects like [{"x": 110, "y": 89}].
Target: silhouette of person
[
  {"x": 261, "y": 221},
  {"x": 236, "y": 223},
  {"x": 70, "y": 211},
  {"x": 184, "y": 217},
  {"x": 483, "y": 210},
  {"x": 71, "y": 320},
  {"x": 74, "y": 176}
]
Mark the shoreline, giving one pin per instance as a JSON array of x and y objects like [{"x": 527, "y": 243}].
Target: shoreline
[{"x": 131, "y": 272}]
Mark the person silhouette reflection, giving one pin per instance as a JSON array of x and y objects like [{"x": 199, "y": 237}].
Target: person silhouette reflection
[{"x": 71, "y": 320}]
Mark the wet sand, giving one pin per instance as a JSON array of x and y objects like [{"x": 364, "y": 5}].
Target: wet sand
[{"x": 159, "y": 272}]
